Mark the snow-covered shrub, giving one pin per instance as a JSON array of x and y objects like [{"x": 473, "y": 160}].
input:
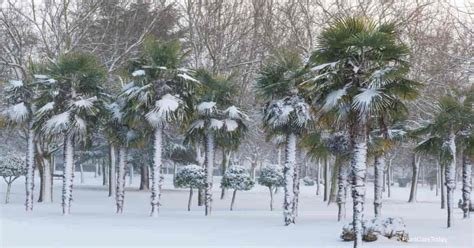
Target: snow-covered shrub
[
  {"x": 308, "y": 181},
  {"x": 12, "y": 166},
  {"x": 236, "y": 178},
  {"x": 192, "y": 177},
  {"x": 271, "y": 176},
  {"x": 389, "y": 227}
]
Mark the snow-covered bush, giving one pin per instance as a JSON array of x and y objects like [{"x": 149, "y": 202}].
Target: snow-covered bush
[
  {"x": 308, "y": 181},
  {"x": 271, "y": 176},
  {"x": 192, "y": 177},
  {"x": 236, "y": 178},
  {"x": 389, "y": 227},
  {"x": 12, "y": 166}
]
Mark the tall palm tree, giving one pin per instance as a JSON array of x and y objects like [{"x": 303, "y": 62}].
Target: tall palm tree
[
  {"x": 450, "y": 130},
  {"x": 285, "y": 113},
  {"x": 162, "y": 93},
  {"x": 209, "y": 124},
  {"x": 70, "y": 106},
  {"x": 20, "y": 95},
  {"x": 357, "y": 73}
]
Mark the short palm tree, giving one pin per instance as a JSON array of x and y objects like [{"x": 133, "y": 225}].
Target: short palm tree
[
  {"x": 357, "y": 73},
  {"x": 162, "y": 93},
  {"x": 70, "y": 106},
  {"x": 285, "y": 113},
  {"x": 450, "y": 130}
]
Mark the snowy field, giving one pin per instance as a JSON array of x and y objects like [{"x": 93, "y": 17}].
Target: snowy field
[{"x": 93, "y": 222}]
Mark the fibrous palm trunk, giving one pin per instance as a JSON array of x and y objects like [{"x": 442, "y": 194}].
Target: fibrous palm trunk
[
  {"x": 296, "y": 185},
  {"x": 30, "y": 168},
  {"x": 443, "y": 189},
  {"x": 68, "y": 177},
  {"x": 225, "y": 164},
  {"x": 389, "y": 177},
  {"x": 334, "y": 176},
  {"x": 46, "y": 192},
  {"x": 120, "y": 193},
  {"x": 271, "y": 198},
  {"x": 318, "y": 178},
  {"x": 156, "y": 172},
  {"x": 144, "y": 178},
  {"x": 466, "y": 185},
  {"x": 288, "y": 172},
  {"x": 233, "y": 200},
  {"x": 450, "y": 180},
  {"x": 358, "y": 174},
  {"x": 340, "y": 198},
  {"x": 326, "y": 180},
  {"x": 378, "y": 184},
  {"x": 112, "y": 174},
  {"x": 209, "y": 168}
]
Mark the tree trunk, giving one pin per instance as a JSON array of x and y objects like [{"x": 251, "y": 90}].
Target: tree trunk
[
  {"x": 279, "y": 156},
  {"x": 104, "y": 174},
  {"x": 358, "y": 175},
  {"x": 466, "y": 185},
  {"x": 30, "y": 168},
  {"x": 7, "y": 194},
  {"x": 326, "y": 179},
  {"x": 96, "y": 168},
  {"x": 389, "y": 177},
  {"x": 200, "y": 160},
  {"x": 225, "y": 163},
  {"x": 130, "y": 174},
  {"x": 443, "y": 189},
  {"x": 318, "y": 178},
  {"x": 144, "y": 178},
  {"x": 414, "y": 178},
  {"x": 438, "y": 177},
  {"x": 120, "y": 192},
  {"x": 233, "y": 200},
  {"x": 450, "y": 180},
  {"x": 341, "y": 185},
  {"x": 209, "y": 161},
  {"x": 288, "y": 172},
  {"x": 296, "y": 187},
  {"x": 271, "y": 198},
  {"x": 81, "y": 168},
  {"x": 378, "y": 174},
  {"x": 68, "y": 174},
  {"x": 190, "y": 198},
  {"x": 112, "y": 167},
  {"x": 46, "y": 194},
  {"x": 334, "y": 185},
  {"x": 156, "y": 172}
]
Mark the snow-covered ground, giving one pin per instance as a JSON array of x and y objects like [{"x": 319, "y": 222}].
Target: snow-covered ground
[{"x": 93, "y": 222}]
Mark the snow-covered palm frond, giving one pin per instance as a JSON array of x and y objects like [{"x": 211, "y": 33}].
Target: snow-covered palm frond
[
  {"x": 116, "y": 111},
  {"x": 216, "y": 124},
  {"x": 322, "y": 66},
  {"x": 187, "y": 77},
  {"x": 17, "y": 113},
  {"x": 138, "y": 73},
  {"x": 370, "y": 100},
  {"x": 332, "y": 99},
  {"x": 290, "y": 114},
  {"x": 14, "y": 84},
  {"x": 80, "y": 125},
  {"x": 233, "y": 112},
  {"x": 41, "y": 76},
  {"x": 154, "y": 67},
  {"x": 206, "y": 108},
  {"x": 197, "y": 124},
  {"x": 164, "y": 109},
  {"x": 48, "y": 107},
  {"x": 57, "y": 123},
  {"x": 85, "y": 104},
  {"x": 231, "y": 125}
]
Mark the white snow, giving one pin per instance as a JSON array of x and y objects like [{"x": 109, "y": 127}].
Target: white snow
[
  {"x": 138, "y": 73},
  {"x": 234, "y": 113},
  {"x": 363, "y": 100},
  {"x": 333, "y": 98},
  {"x": 230, "y": 125},
  {"x": 57, "y": 123},
  {"x": 206, "y": 107},
  {"x": 40, "y": 76},
  {"x": 197, "y": 124},
  {"x": 17, "y": 113},
  {"x": 93, "y": 222},
  {"x": 45, "y": 108},
  {"x": 16, "y": 84},
  {"x": 168, "y": 103},
  {"x": 85, "y": 103},
  {"x": 187, "y": 77},
  {"x": 216, "y": 124},
  {"x": 322, "y": 66}
]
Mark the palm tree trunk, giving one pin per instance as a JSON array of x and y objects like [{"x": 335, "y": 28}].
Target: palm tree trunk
[
  {"x": 340, "y": 198},
  {"x": 156, "y": 172},
  {"x": 30, "y": 168},
  {"x": 225, "y": 163},
  {"x": 271, "y": 198},
  {"x": 68, "y": 177},
  {"x": 334, "y": 185},
  {"x": 82, "y": 173},
  {"x": 389, "y": 177},
  {"x": 104, "y": 173},
  {"x": 438, "y": 177},
  {"x": 318, "y": 178},
  {"x": 414, "y": 178},
  {"x": 466, "y": 185},
  {"x": 7, "y": 194},
  {"x": 450, "y": 180},
  {"x": 233, "y": 200},
  {"x": 130, "y": 174},
  {"x": 296, "y": 184},
  {"x": 144, "y": 178},
  {"x": 378, "y": 173},
  {"x": 47, "y": 181},
  {"x": 112, "y": 166},
  {"x": 326, "y": 179},
  {"x": 209, "y": 147},
  {"x": 289, "y": 171},
  {"x": 120, "y": 193},
  {"x": 200, "y": 161},
  {"x": 358, "y": 174}
]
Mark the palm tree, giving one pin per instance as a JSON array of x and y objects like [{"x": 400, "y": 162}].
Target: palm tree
[
  {"x": 356, "y": 74},
  {"x": 20, "y": 96},
  {"x": 70, "y": 106},
  {"x": 450, "y": 130},
  {"x": 161, "y": 92},
  {"x": 210, "y": 123}
]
